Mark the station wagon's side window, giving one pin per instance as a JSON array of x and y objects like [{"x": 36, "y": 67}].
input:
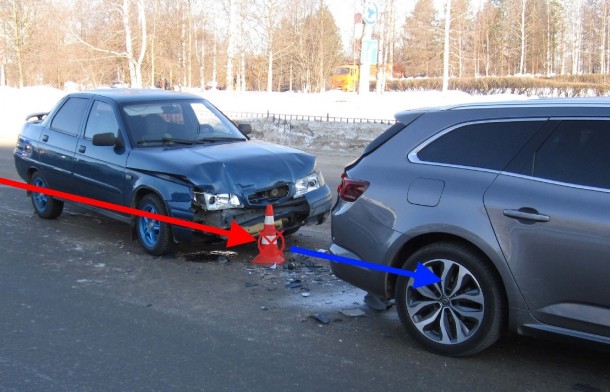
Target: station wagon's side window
[
  {"x": 70, "y": 115},
  {"x": 101, "y": 120},
  {"x": 487, "y": 145},
  {"x": 578, "y": 152}
]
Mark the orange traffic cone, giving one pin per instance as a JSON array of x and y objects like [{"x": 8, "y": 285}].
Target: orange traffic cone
[{"x": 268, "y": 242}]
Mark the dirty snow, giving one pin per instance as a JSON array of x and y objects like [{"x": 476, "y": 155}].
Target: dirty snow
[{"x": 15, "y": 104}]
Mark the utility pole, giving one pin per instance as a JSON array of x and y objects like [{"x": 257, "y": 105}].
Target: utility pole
[{"x": 369, "y": 47}]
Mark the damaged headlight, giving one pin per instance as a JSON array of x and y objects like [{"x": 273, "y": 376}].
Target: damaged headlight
[
  {"x": 309, "y": 183},
  {"x": 216, "y": 201}
]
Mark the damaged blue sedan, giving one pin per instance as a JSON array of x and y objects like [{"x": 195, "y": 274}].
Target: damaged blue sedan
[{"x": 168, "y": 153}]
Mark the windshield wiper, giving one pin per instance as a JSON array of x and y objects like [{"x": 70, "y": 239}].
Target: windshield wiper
[
  {"x": 166, "y": 140},
  {"x": 219, "y": 139},
  {"x": 169, "y": 140},
  {"x": 147, "y": 141},
  {"x": 177, "y": 141}
]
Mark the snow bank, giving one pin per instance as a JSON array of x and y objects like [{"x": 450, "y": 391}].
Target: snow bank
[
  {"x": 16, "y": 104},
  {"x": 320, "y": 136},
  {"x": 340, "y": 104}
]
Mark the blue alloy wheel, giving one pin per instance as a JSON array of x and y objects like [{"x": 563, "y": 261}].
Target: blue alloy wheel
[
  {"x": 149, "y": 228},
  {"x": 40, "y": 199},
  {"x": 45, "y": 206},
  {"x": 154, "y": 235}
]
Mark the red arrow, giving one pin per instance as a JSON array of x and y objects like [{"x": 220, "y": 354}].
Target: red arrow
[{"x": 236, "y": 235}]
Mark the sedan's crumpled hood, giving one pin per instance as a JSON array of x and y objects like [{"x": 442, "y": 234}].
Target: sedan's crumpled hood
[{"x": 236, "y": 167}]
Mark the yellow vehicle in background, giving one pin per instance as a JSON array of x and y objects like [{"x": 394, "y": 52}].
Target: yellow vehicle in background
[{"x": 345, "y": 77}]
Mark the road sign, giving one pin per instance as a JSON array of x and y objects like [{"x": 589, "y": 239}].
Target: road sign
[
  {"x": 371, "y": 12},
  {"x": 370, "y": 47}
]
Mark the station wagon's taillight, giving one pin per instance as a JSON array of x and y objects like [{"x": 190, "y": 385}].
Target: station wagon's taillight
[{"x": 350, "y": 189}]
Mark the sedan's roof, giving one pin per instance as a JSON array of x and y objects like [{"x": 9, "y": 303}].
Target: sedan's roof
[{"x": 127, "y": 95}]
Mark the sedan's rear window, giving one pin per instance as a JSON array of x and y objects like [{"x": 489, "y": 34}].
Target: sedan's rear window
[
  {"x": 487, "y": 145},
  {"x": 70, "y": 115}
]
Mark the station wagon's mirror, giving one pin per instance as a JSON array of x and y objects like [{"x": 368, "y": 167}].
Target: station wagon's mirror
[
  {"x": 104, "y": 139},
  {"x": 245, "y": 129}
]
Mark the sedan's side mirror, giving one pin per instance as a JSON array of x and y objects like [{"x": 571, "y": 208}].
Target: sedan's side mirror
[
  {"x": 105, "y": 139},
  {"x": 245, "y": 129}
]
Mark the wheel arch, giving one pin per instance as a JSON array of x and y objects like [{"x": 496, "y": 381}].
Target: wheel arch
[
  {"x": 138, "y": 195},
  {"x": 29, "y": 175}
]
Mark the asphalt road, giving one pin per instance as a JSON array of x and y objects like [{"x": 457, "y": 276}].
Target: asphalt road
[{"x": 85, "y": 309}]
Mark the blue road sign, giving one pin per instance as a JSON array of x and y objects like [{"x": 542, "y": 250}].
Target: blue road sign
[
  {"x": 371, "y": 12},
  {"x": 370, "y": 47}
]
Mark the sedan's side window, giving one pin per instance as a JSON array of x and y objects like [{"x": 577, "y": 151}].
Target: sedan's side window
[
  {"x": 101, "y": 120},
  {"x": 578, "y": 152},
  {"x": 70, "y": 115},
  {"x": 486, "y": 145}
]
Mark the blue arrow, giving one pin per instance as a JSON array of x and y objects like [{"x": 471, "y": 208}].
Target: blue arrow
[{"x": 422, "y": 275}]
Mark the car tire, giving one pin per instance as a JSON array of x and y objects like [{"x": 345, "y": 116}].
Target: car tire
[
  {"x": 463, "y": 314},
  {"x": 45, "y": 206},
  {"x": 154, "y": 236}
]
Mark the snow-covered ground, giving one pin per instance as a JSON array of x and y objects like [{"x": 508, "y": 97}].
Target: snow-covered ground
[{"x": 15, "y": 104}]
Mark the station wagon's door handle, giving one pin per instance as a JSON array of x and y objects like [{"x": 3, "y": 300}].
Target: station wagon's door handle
[
  {"x": 82, "y": 148},
  {"x": 527, "y": 214},
  {"x": 45, "y": 138}
]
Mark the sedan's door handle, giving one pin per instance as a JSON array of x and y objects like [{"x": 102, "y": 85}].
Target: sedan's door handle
[
  {"x": 527, "y": 214},
  {"x": 82, "y": 149},
  {"x": 45, "y": 138}
]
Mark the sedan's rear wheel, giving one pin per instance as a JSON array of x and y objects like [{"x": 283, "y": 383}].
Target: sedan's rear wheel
[
  {"x": 154, "y": 236},
  {"x": 45, "y": 206},
  {"x": 461, "y": 315}
]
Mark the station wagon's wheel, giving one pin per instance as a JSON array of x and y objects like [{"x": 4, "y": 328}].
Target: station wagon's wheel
[
  {"x": 463, "y": 314},
  {"x": 45, "y": 206},
  {"x": 155, "y": 236}
]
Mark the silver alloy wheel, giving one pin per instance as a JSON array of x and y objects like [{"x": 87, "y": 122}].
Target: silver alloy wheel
[{"x": 449, "y": 312}]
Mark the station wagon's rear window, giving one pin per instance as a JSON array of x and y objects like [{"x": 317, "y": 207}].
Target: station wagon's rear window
[
  {"x": 486, "y": 145},
  {"x": 578, "y": 152}
]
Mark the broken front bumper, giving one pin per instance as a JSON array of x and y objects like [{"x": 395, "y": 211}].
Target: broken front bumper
[{"x": 313, "y": 208}]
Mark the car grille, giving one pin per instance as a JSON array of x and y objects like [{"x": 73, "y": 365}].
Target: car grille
[{"x": 269, "y": 195}]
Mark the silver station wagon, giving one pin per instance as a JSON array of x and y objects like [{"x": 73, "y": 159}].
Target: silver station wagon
[{"x": 509, "y": 203}]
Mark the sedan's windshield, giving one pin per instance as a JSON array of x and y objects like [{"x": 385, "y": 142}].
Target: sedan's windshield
[{"x": 177, "y": 122}]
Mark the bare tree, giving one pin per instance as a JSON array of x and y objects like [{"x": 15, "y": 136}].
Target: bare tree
[
  {"x": 134, "y": 62},
  {"x": 266, "y": 23},
  {"x": 522, "y": 26},
  {"x": 232, "y": 28},
  {"x": 18, "y": 25},
  {"x": 575, "y": 35},
  {"x": 446, "y": 46}
]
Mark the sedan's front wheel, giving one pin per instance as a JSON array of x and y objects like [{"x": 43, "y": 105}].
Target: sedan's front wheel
[
  {"x": 154, "y": 236},
  {"x": 464, "y": 313}
]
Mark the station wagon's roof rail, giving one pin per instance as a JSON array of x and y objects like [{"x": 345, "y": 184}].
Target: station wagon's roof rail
[
  {"x": 536, "y": 102},
  {"x": 523, "y": 103}
]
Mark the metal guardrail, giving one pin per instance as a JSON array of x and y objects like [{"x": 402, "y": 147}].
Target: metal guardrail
[{"x": 288, "y": 118}]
